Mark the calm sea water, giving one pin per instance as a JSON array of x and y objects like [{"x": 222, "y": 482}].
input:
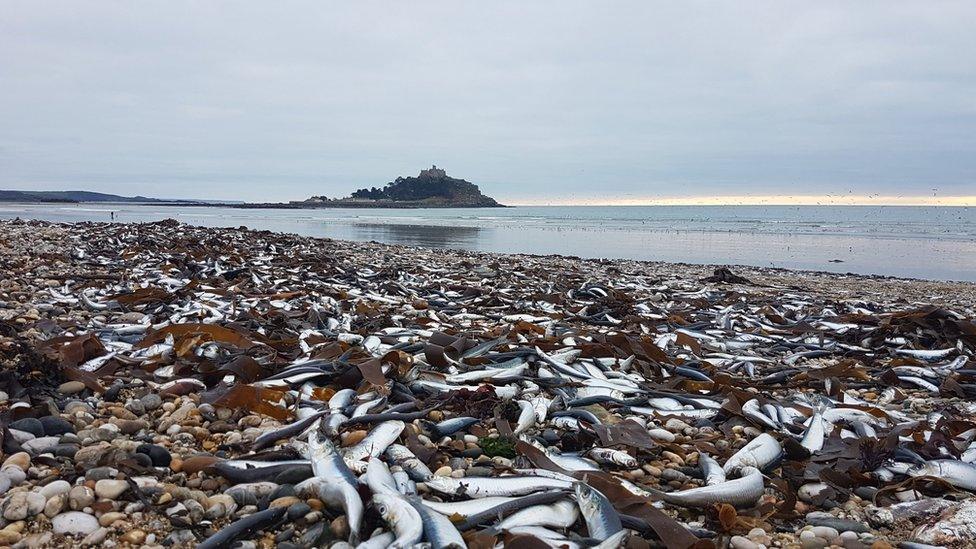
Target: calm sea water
[{"x": 922, "y": 242}]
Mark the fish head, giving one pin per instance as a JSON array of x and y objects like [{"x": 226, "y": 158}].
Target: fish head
[
  {"x": 388, "y": 506},
  {"x": 588, "y": 498},
  {"x": 628, "y": 461},
  {"x": 446, "y": 485}
]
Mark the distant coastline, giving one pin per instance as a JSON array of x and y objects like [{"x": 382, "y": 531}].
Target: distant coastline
[{"x": 431, "y": 188}]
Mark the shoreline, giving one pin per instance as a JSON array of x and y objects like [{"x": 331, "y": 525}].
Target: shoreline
[
  {"x": 139, "y": 361},
  {"x": 694, "y": 237}
]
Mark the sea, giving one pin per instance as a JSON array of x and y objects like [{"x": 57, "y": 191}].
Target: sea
[{"x": 905, "y": 241}]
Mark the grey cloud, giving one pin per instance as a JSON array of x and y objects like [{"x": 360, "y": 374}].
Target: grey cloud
[{"x": 273, "y": 101}]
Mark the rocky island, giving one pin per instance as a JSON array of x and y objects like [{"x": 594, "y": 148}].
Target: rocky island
[{"x": 432, "y": 188}]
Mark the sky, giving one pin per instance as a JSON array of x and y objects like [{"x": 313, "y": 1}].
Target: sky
[{"x": 536, "y": 102}]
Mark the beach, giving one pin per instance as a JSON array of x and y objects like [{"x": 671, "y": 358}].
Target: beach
[{"x": 167, "y": 384}]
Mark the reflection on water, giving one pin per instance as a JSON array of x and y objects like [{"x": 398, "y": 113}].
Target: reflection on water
[{"x": 431, "y": 236}]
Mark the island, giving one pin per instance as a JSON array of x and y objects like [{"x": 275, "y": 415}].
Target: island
[{"x": 432, "y": 188}]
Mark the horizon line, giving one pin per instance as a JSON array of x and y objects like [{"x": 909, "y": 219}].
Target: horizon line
[{"x": 762, "y": 200}]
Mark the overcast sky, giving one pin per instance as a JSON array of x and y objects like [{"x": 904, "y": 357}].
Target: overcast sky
[{"x": 586, "y": 101}]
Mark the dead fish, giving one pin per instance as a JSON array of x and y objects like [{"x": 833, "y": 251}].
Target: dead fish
[
  {"x": 244, "y": 527},
  {"x": 742, "y": 491},
  {"x": 957, "y": 473},
  {"x": 602, "y": 519},
  {"x": 758, "y": 452}
]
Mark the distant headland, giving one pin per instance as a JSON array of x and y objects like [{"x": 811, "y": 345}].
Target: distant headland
[{"x": 431, "y": 188}]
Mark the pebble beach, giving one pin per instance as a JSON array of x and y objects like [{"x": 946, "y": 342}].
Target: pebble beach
[{"x": 167, "y": 385}]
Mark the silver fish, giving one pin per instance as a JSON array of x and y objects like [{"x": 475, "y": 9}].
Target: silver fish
[
  {"x": 745, "y": 490},
  {"x": 438, "y": 529},
  {"x": 602, "y": 520},
  {"x": 402, "y": 456},
  {"x": 333, "y": 483},
  {"x": 813, "y": 438},
  {"x": 609, "y": 456},
  {"x": 375, "y": 443},
  {"x": 759, "y": 452},
  {"x": 401, "y": 517},
  {"x": 711, "y": 470},
  {"x": 480, "y": 487},
  {"x": 560, "y": 515},
  {"x": 957, "y": 473}
]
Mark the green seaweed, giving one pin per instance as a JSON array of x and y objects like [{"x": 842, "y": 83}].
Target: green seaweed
[{"x": 497, "y": 447}]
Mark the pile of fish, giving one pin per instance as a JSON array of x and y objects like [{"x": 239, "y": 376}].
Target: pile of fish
[{"x": 213, "y": 387}]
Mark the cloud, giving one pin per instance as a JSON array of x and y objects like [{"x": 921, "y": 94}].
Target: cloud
[{"x": 573, "y": 99}]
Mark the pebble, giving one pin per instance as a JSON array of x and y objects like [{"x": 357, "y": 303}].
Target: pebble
[
  {"x": 298, "y": 510},
  {"x": 71, "y": 387},
  {"x": 74, "y": 523},
  {"x": 135, "y": 537},
  {"x": 151, "y": 402},
  {"x": 20, "y": 505},
  {"x": 9, "y": 537},
  {"x": 108, "y": 519},
  {"x": 52, "y": 489},
  {"x": 80, "y": 497},
  {"x": 739, "y": 542},
  {"x": 101, "y": 473},
  {"x": 96, "y": 537},
  {"x": 825, "y": 532},
  {"x": 56, "y": 426},
  {"x": 55, "y": 505},
  {"x": 160, "y": 456},
  {"x": 29, "y": 425},
  {"x": 41, "y": 445},
  {"x": 340, "y": 527}
]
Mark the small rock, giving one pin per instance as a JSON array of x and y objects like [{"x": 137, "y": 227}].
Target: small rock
[
  {"x": 135, "y": 537},
  {"x": 74, "y": 523},
  {"x": 96, "y": 537},
  {"x": 151, "y": 402},
  {"x": 110, "y": 488},
  {"x": 107, "y": 519},
  {"x": 9, "y": 537},
  {"x": 55, "y": 505},
  {"x": 286, "y": 501},
  {"x": 80, "y": 497},
  {"x": 101, "y": 473},
  {"x": 739, "y": 542},
  {"x": 21, "y": 505},
  {"x": 55, "y": 488},
  {"x": 71, "y": 387},
  {"x": 825, "y": 532},
  {"x": 340, "y": 527},
  {"x": 56, "y": 426},
  {"x": 160, "y": 456},
  {"x": 29, "y": 425},
  {"x": 40, "y": 445},
  {"x": 298, "y": 510},
  {"x": 20, "y": 460}
]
